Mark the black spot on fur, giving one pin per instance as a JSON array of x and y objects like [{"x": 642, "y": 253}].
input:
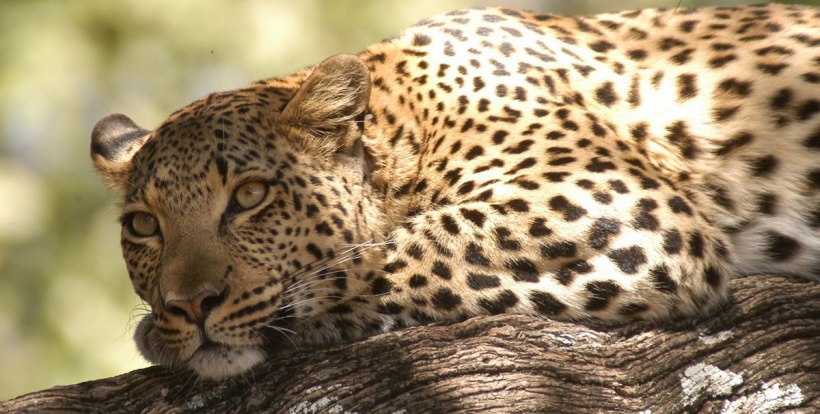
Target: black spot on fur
[
  {"x": 520, "y": 147},
  {"x": 713, "y": 277},
  {"x": 475, "y": 256},
  {"x": 672, "y": 241},
  {"x": 570, "y": 211},
  {"x": 601, "y": 46},
  {"x": 678, "y": 135},
  {"x": 813, "y": 141},
  {"x": 606, "y": 95},
  {"x": 814, "y": 178},
  {"x": 644, "y": 219},
  {"x": 315, "y": 251},
  {"x": 556, "y": 177},
  {"x": 585, "y": 184},
  {"x": 603, "y": 198},
  {"x": 763, "y": 166},
  {"x": 474, "y": 152},
  {"x": 504, "y": 241},
  {"x": 562, "y": 161},
  {"x": 395, "y": 266},
  {"x": 222, "y": 168},
  {"x": 781, "y": 99},
  {"x": 415, "y": 251},
  {"x": 808, "y": 109},
  {"x": 632, "y": 309},
  {"x": 441, "y": 270},
  {"x": 637, "y": 54},
  {"x": 687, "y": 86},
  {"x": 538, "y": 229},
  {"x": 735, "y": 88},
  {"x": 721, "y": 197},
  {"x": 661, "y": 279},
  {"x": 721, "y": 61},
  {"x": 421, "y": 39},
  {"x": 780, "y": 247},
  {"x": 732, "y": 144},
  {"x": 618, "y": 186},
  {"x": 558, "y": 249},
  {"x": 499, "y": 136},
  {"x": 523, "y": 270},
  {"x": 601, "y": 293},
  {"x": 505, "y": 300},
  {"x": 445, "y": 299},
  {"x": 814, "y": 218},
  {"x": 678, "y": 205},
  {"x": 449, "y": 224},
  {"x": 390, "y": 308},
  {"x": 518, "y": 205},
  {"x": 598, "y": 166},
  {"x": 546, "y": 303},
  {"x": 767, "y": 204},
  {"x": 476, "y": 217},
  {"x": 381, "y": 286},
  {"x": 466, "y": 187},
  {"x": 566, "y": 274},
  {"x": 723, "y": 113},
  {"x": 628, "y": 259},
  {"x": 771, "y": 68},
  {"x": 696, "y": 244},
  {"x": 601, "y": 231},
  {"x": 416, "y": 281},
  {"x": 479, "y": 281}
]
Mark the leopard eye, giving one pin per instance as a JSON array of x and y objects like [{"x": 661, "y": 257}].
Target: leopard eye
[
  {"x": 142, "y": 224},
  {"x": 250, "y": 194}
]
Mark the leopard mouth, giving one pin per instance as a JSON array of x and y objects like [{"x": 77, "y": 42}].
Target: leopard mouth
[
  {"x": 217, "y": 361},
  {"x": 210, "y": 359}
]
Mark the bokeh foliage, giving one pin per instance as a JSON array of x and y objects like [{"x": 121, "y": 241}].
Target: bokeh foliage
[{"x": 66, "y": 306}]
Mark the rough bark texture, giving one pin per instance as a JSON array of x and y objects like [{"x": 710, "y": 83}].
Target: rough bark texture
[{"x": 759, "y": 354}]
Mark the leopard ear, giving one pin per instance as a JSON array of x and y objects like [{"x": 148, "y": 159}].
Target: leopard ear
[
  {"x": 328, "y": 104},
  {"x": 114, "y": 141}
]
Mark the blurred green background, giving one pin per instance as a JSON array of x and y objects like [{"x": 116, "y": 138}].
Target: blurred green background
[{"x": 67, "y": 311}]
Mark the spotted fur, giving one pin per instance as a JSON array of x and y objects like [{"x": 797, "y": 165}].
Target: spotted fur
[{"x": 614, "y": 167}]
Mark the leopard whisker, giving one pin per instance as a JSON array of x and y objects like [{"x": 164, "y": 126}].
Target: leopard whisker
[
  {"x": 287, "y": 333},
  {"x": 319, "y": 279}
]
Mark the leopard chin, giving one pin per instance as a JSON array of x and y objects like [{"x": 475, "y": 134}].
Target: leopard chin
[
  {"x": 216, "y": 361},
  {"x": 210, "y": 360}
]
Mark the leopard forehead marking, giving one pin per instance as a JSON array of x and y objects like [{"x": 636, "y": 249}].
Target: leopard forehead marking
[
  {"x": 612, "y": 167},
  {"x": 236, "y": 138}
]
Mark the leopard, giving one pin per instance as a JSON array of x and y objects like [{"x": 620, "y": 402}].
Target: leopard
[{"x": 603, "y": 169}]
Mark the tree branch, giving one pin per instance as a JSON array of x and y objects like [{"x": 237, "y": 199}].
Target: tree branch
[{"x": 760, "y": 353}]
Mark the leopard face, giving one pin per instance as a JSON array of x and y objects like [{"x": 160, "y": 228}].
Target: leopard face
[{"x": 609, "y": 168}]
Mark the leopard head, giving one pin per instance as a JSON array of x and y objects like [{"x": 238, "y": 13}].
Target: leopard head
[{"x": 240, "y": 213}]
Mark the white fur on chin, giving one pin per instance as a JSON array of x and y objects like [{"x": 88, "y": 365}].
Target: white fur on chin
[{"x": 222, "y": 362}]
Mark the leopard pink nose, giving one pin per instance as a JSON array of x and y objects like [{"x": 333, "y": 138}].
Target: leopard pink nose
[{"x": 197, "y": 308}]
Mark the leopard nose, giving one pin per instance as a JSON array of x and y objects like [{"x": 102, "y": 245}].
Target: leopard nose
[{"x": 197, "y": 308}]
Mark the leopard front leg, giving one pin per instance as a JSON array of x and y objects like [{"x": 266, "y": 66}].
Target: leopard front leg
[{"x": 558, "y": 254}]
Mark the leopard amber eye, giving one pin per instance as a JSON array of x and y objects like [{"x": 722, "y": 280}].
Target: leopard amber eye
[
  {"x": 143, "y": 224},
  {"x": 250, "y": 194}
]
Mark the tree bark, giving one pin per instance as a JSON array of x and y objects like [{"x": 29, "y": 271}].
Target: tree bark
[{"x": 758, "y": 354}]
